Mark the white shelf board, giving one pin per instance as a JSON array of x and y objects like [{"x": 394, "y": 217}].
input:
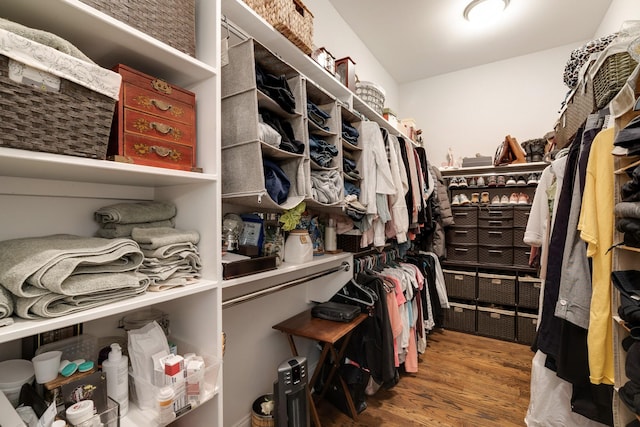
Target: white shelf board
[
  {"x": 106, "y": 40},
  {"x": 317, "y": 264},
  {"x": 24, "y": 327},
  {"x": 32, "y": 164}
]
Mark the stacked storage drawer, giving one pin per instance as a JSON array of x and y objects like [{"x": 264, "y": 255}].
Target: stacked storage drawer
[
  {"x": 495, "y": 233},
  {"x": 497, "y": 323},
  {"x": 521, "y": 251},
  {"x": 462, "y": 238},
  {"x": 460, "y": 317}
]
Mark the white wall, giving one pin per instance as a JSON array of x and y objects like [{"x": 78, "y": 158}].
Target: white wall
[
  {"x": 619, "y": 11},
  {"x": 472, "y": 110},
  {"x": 332, "y": 32}
]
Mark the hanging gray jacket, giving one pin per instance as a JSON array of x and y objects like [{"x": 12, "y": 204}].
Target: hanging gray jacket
[{"x": 446, "y": 216}]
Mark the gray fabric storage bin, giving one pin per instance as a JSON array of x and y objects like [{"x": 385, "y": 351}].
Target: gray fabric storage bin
[
  {"x": 529, "y": 292},
  {"x": 239, "y": 75},
  {"x": 241, "y": 97},
  {"x": 243, "y": 175}
]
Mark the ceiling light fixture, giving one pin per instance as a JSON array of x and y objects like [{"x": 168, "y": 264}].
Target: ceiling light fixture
[{"x": 484, "y": 10}]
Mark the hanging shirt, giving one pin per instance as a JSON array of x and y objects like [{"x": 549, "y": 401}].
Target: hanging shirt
[{"x": 596, "y": 228}]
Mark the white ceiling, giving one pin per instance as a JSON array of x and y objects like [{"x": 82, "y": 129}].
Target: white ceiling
[{"x": 417, "y": 39}]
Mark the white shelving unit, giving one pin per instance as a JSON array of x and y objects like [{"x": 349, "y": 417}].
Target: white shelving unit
[{"x": 42, "y": 194}]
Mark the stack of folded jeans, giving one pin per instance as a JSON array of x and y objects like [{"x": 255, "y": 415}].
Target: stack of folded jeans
[
  {"x": 284, "y": 129},
  {"x": 317, "y": 116},
  {"x": 349, "y": 133},
  {"x": 349, "y": 167},
  {"x": 326, "y": 186},
  {"x": 351, "y": 188},
  {"x": 321, "y": 152},
  {"x": 277, "y": 88}
]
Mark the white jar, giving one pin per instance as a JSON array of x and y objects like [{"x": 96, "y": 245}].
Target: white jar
[{"x": 298, "y": 248}]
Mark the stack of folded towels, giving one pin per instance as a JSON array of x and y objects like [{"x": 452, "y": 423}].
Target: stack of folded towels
[
  {"x": 171, "y": 256},
  {"x": 118, "y": 220},
  {"x": 60, "y": 274}
]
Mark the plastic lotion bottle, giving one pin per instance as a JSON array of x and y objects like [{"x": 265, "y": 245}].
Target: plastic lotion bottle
[{"x": 117, "y": 372}]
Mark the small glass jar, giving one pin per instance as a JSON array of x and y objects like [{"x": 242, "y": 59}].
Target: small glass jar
[{"x": 298, "y": 248}]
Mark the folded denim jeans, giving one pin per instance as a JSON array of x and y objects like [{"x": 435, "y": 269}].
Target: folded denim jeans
[
  {"x": 277, "y": 88},
  {"x": 322, "y": 159},
  {"x": 317, "y": 116},
  {"x": 350, "y": 130},
  {"x": 353, "y": 140},
  {"x": 320, "y": 145},
  {"x": 348, "y": 164}
]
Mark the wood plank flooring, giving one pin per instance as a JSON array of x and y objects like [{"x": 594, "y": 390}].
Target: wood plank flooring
[{"x": 463, "y": 380}]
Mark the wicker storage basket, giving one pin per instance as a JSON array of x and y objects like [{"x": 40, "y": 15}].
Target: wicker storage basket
[
  {"x": 496, "y": 323},
  {"x": 527, "y": 324},
  {"x": 528, "y": 292},
  {"x": 460, "y": 317},
  {"x": 170, "y": 21},
  {"x": 497, "y": 288},
  {"x": 75, "y": 121},
  {"x": 579, "y": 106},
  {"x": 611, "y": 77},
  {"x": 372, "y": 94},
  {"x": 460, "y": 284},
  {"x": 290, "y": 17}
]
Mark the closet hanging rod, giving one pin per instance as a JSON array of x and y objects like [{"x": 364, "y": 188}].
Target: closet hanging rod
[{"x": 345, "y": 266}]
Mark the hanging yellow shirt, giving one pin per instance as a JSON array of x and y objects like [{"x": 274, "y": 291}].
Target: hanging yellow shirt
[{"x": 596, "y": 227}]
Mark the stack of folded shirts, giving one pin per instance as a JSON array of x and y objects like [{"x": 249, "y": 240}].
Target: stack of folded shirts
[
  {"x": 56, "y": 275},
  {"x": 171, "y": 256},
  {"x": 118, "y": 220}
]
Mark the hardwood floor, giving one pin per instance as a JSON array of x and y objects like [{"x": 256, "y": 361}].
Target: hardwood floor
[{"x": 463, "y": 380}]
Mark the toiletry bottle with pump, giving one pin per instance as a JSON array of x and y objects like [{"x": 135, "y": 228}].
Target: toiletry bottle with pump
[{"x": 117, "y": 372}]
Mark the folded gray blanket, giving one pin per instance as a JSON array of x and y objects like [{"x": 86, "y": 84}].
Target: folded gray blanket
[
  {"x": 55, "y": 305},
  {"x": 172, "y": 283},
  {"x": 6, "y": 303},
  {"x": 627, "y": 210},
  {"x": 129, "y": 213},
  {"x": 36, "y": 266},
  {"x": 112, "y": 230},
  {"x": 169, "y": 250},
  {"x": 154, "y": 238}
]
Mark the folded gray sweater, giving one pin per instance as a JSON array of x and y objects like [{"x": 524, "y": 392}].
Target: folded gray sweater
[
  {"x": 129, "y": 213},
  {"x": 35, "y": 266}
]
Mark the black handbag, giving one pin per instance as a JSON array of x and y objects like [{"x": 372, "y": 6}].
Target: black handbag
[{"x": 335, "y": 311}]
